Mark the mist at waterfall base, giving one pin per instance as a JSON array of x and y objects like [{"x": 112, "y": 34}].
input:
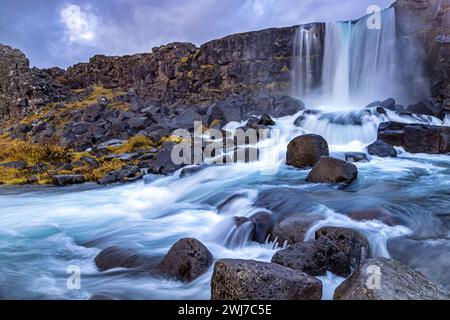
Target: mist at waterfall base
[{"x": 45, "y": 230}]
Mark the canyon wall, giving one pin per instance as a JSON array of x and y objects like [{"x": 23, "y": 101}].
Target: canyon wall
[{"x": 246, "y": 64}]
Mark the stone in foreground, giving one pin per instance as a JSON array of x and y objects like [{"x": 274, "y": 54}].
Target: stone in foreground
[
  {"x": 66, "y": 180},
  {"x": 186, "y": 260},
  {"x": 331, "y": 170},
  {"x": 254, "y": 280},
  {"x": 116, "y": 257},
  {"x": 384, "y": 279},
  {"x": 382, "y": 149},
  {"x": 314, "y": 258},
  {"x": 305, "y": 151}
]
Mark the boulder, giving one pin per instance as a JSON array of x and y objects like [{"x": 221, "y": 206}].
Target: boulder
[
  {"x": 305, "y": 151},
  {"x": 186, "y": 260},
  {"x": 254, "y": 280},
  {"x": 19, "y": 165},
  {"x": 266, "y": 120},
  {"x": 126, "y": 174},
  {"x": 69, "y": 179},
  {"x": 378, "y": 214},
  {"x": 293, "y": 229},
  {"x": 384, "y": 279},
  {"x": 331, "y": 170},
  {"x": 117, "y": 257},
  {"x": 381, "y": 149},
  {"x": 163, "y": 163},
  {"x": 356, "y": 157},
  {"x": 427, "y": 106},
  {"x": 354, "y": 245},
  {"x": 315, "y": 258}
]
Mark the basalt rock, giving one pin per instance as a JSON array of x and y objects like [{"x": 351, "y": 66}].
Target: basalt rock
[
  {"x": 381, "y": 149},
  {"x": 331, "y": 170},
  {"x": 293, "y": 229},
  {"x": 306, "y": 151},
  {"x": 253, "y": 280},
  {"x": 384, "y": 279},
  {"x": 117, "y": 257},
  {"x": 186, "y": 260},
  {"x": 65, "y": 180},
  {"x": 416, "y": 138},
  {"x": 315, "y": 258}
]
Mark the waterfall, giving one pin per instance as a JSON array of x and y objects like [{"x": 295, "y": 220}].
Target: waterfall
[
  {"x": 360, "y": 65},
  {"x": 306, "y": 62}
]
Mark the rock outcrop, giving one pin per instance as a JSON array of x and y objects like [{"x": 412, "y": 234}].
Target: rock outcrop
[
  {"x": 416, "y": 138},
  {"x": 254, "y": 280}
]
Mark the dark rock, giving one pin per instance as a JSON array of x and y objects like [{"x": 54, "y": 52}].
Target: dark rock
[
  {"x": 266, "y": 120},
  {"x": 330, "y": 170},
  {"x": 350, "y": 242},
  {"x": 163, "y": 163},
  {"x": 384, "y": 279},
  {"x": 126, "y": 174},
  {"x": 388, "y": 104},
  {"x": 427, "y": 106},
  {"x": 356, "y": 157},
  {"x": 19, "y": 165},
  {"x": 65, "y": 180},
  {"x": 186, "y": 119},
  {"x": 314, "y": 258},
  {"x": 253, "y": 280},
  {"x": 186, "y": 260},
  {"x": 381, "y": 149},
  {"x": 416, "y": 138},
  {"x": 91, "y": 162},
  {"x": 117, "y": 257},
  {"x": 305, "y": 151},
  {"x": 293, "y": 229},
  {"x": 379, "y": 214},
  {"x": 263, "y": 223}
]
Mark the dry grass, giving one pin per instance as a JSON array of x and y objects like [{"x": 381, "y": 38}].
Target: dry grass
[{"x": 136, "y": 143}]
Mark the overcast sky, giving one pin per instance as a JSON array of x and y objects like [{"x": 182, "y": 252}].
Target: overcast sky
[{"x": 62, "y": 33}]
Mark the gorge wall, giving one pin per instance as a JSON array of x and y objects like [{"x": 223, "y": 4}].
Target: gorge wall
[{"x": 246, "y": 64}]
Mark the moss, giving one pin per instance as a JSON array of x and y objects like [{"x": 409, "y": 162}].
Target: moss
[
  {"x": 190, "y": 74},
  {"x": 174, "y": 139},
  {"x": 136, "y": 143},
  {"x": 184, "y": 60},
  {"x": 285, "y": 69},
  {"x": 11, "y": 176}
]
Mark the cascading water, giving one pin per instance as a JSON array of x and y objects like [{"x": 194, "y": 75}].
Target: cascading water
[{"x": 360, "y": 65}]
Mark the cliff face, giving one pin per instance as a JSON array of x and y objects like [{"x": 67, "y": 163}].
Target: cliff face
[
  {"x": 424, "y": 25},
  {"x": 241, "y": 64},
  {"x": 24, "y": 90},
  {"x": 246, "y": 64}
]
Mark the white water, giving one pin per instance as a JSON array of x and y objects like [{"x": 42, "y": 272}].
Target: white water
[{"x": 360, "y": 65}]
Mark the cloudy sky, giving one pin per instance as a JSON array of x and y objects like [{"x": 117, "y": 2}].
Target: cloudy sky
[{"x": 61, "y": 33}]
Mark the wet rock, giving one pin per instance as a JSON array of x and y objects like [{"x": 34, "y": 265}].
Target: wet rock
[
  {"x": 416, "y": 138},
  {"x": 396, "y": 282},
  {"x": 19, "y": 165},
  {"x": 163, "y": 163},
  {"x": 388, "y": 104},
  {"x": 293, "y": 229},
  {"x": 354, "y": 245},
  {"x": 427, "y": 106},
  {"x": 305, "y": 151},
  {"x": 186, "y": 260},
  {"x": 266, "y": 120},
  {"x": 117, "y": 257},
  {"x": 379, "y": 214},
  {"x": 253, "y": 280},
  {"x": 65, "y": 180},
  {"x": 315, "y": 258},
  {"x": 263, "y": 222},
  {"x": 356, "y": 157},
  {"x": 126, "y": 174},
  {"x": 381, "y": 149},
  {"x": 331, "y": 170}
]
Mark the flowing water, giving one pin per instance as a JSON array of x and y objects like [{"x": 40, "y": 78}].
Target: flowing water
[{"x": 43, "y": 231}]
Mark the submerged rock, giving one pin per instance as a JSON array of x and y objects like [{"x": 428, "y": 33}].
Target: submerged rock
[
  {"x": 254, "y": 280},
  {"x": 117, "y": 257},
  {"x": 331, "y": 170},
  {"x": 379, "y": 214},
  {"x": 315, "y": 258},
  {"x": 293, "y": 229},
  {"x": 384, "y": 279},
  {"x": 186, "y": 260},
  {"x": 305, "y": 151},
  {"x": 381, "y": 149}
]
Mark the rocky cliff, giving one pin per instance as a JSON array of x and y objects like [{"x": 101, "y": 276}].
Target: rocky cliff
[{"x": 424, "y": 26}]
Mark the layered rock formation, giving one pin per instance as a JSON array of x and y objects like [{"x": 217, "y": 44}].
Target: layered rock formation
[{"x": 424, "y": 26}]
